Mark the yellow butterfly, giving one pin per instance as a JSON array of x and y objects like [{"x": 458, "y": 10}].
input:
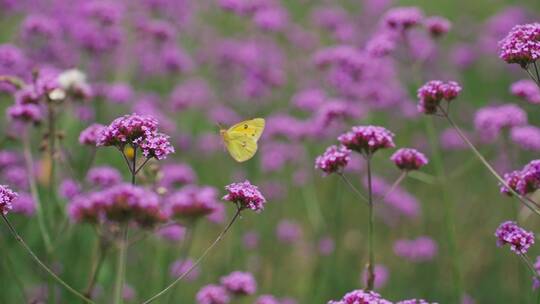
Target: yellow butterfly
[{"x": 241, "y": 139}]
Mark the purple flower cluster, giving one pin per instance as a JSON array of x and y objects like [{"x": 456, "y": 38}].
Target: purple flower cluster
[
  {"x": 7, "y": 196},
  {"x": 137, "y": 131},
  {"x": 191, "y": 202},
  {"x": 288, "y": 231},
  {"x": 179, "y": 267},
  {"x": 91, "y": 134},
  {"x": 334, "y": 159},
  {"x": 403, "y": 18},
  {"x": 367, "y": 139},
  {"x": 409, "y": 159},
  {"x": 361, "y": 296},
  {"x": 174, "y": 175},
  {"x": 524, "y": 181},
  {"x": 518, "y": 238},
  {"x": 527, "y": 90},
  {"x": 437, "y": 26},
  {"x": 213, "y": 294},
  {"x": 433, "y": 92},
  {"x": 421, "y": 249},
  {"x": 414, "y": 301},
  {"x": 527, "y": 137},
  {"x": 490, "y": 121},
  {"x": 120, "y": 203},
  {"x": 239, "y": 283},
  {"x": 245, "y": 195},
  {"x": 521, "y": 45},
  {"x": 103, "y": 177}
]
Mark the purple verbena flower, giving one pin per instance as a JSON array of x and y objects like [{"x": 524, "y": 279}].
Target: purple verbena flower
[
  {"x": 367, "y": 139},
  {"x": 409, "y": 159},
  {"x": 213, "y": 294},
  {"x": 239, "y": 283},
  {"x": 518, "y": 238},
  {"x": 521, "y": 45},
  {"x": 245, "y": 195},
  {"x": 334, "y": 159},
  {"x": 7, "y": 196}
]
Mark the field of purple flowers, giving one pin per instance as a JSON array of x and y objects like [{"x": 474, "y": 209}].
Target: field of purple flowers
[{"x": 398, "y": 161}]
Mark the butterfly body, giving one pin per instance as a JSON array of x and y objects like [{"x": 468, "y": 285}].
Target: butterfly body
[{"x": 241, "y": 139}]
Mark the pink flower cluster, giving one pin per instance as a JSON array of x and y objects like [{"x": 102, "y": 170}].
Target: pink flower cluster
[
  {"x": 191, "y": 202},
  {"x": 121, "y": 203},
  {"x": 90, "y": 135},
  {"x": 409, "y": 159},
  {"x": 490, "y": 121},
  {"x": 245, "y": 195},
  {"x": 403, "y": 18},
  {"x": 334, "y": 159},
  {"x": 421, "y": 249},
  {"x": 437, "y": 26},
  {"x": 518, "y": 238},
  {"x": 137, "y": 131},
  {"x": 524, "y": 181},
  {"x": 7, "y": 196},
  {"x": 367, "y": 139},
  {"x": 521, "y": 45},
  {"x": 433, "y": 92},
  {"x": 239, "y": 283},
  {"x": 236, "y": 284},
  {"x": 361, "y": 296},
  {"x": 527, "y": 90}
]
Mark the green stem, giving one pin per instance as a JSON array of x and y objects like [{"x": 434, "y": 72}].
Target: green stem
[
  {"x": 197, "y": 262},
  {"x": 35, "y": 194},
  {"x": 121, "y": 266},
  {"x": 371, "y": 271},
  {"x": 448, "y": 211},
  {"x": 97, "y": 262},
  {"x": 526, "y": 201},
  {"x": 40, "y": 263},
  {"x": 352, "y": 187}
]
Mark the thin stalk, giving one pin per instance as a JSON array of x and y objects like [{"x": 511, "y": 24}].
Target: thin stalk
[
  {"x": 35, "y": 194},
  {"x": 98, "y": 259},
  {"x": 448, "y": 211},
  {"x": 371, "y": 271},
  {"x": 537, "y": 73},
  {"x": 527, "y": 202},
  {"x": 184, "y": 254},
  {"x": 40, "y": 263},
  {"x": 198, "y": 261},
  {"x": 352, "y": 187},
  {"x": 133, "y": 166},
  {"x": 394, "y": 186},
  {"x": 142, "y": 165},
  {"x": 121, "y": 266},
  {"x": 529, "y": 264},
  {"x": 537, "y": 81}
]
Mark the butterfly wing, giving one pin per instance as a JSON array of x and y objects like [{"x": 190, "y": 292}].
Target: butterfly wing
[
  {"x": 252, "y": 128},
  {"x": 240, "y": 146}
]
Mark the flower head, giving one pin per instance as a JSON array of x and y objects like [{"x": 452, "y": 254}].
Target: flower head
[
  {"x": 433, "y": 92},
  {"x": 521, "y": 45},
  {"x": 437, "y": 26},
  {"x": 527, "y": 137},
  {"x": 90, "y": 135},
  {"x": 527, "y": 90},
  {"x": 403, "y": 18},
  {"x": 192, "y": 202},
  {"x": 367, "y": 139},
  {"x": 360, "y": 297},
  {"x": 334, "y": 159},
  {"x": 7, "y": 196},
  {"x": 245, "y": 195},
  {"x": 103, "y": 176},
  {"x": 137, "y": 131},
  {"x": 518, "y": 238},
  {"x": 409, "y": 159},
  {"x": 213, "y": 294},
  {"x": 239, "y": 283}
]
